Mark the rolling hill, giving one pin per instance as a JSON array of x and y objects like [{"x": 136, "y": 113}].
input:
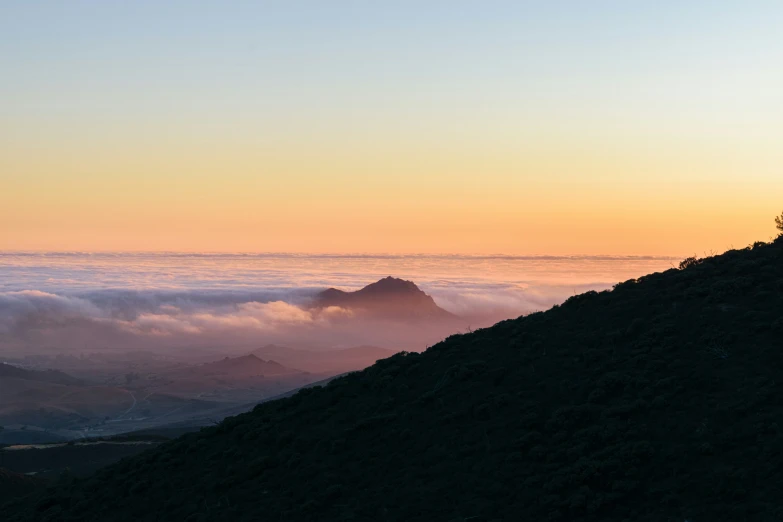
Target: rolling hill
[
  {"x": 36, "y": 405},
  {"x": 48, "y": 376},
  {"x": 245, "y": 366},
  {"x": 656, "y": 401},
  {"x": 325, "y": 361}
]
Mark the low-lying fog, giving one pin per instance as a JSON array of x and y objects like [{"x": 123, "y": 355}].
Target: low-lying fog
[
  {"x": 151, "y": 341},
  {"x": 92, "y": 302}
]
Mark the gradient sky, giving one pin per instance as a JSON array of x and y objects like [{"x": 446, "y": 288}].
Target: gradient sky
[{"x": 409, "y": 126}]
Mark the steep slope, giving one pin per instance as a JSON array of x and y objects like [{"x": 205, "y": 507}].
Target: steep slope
[
  {"x": 657, "y": 401},
  {"x": 390, "y": 298}
]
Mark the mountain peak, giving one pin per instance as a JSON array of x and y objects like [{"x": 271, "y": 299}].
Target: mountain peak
[
  {"x": 392, "y": 284},
  {"x": 247, "y": 364},
  {"x": 390, "y": 297}
]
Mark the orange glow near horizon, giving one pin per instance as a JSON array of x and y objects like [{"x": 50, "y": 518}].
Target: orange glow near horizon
[
  {"x": 514, "y": 129},
  {"x": 444, "y": 200}
]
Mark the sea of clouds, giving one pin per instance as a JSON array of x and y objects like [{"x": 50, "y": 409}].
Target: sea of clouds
[{"x": 88, "y": 302}]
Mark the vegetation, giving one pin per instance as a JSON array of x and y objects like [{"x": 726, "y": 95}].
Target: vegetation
[
  {"x": 13, "y": 485},
  {"x": 689, "y": 262},
  {"x": 779, "y": 223},
  {"x": 80, "y": 458},
  {"x": 656, "y": 401}
]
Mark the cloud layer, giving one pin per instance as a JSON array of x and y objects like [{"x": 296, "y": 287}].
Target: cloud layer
[
  {"x": 121, "y": 301},
  {"x": 25, "y": 312}
]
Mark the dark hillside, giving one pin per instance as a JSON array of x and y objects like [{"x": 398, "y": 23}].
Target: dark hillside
[
  {"x": 657, "y": 401},
  {"x": 14, "y": 485}
]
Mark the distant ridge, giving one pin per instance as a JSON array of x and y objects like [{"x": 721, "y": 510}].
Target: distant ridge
[
  {"x": 658, "y": 400},
  {"x": 49, "y": 376},
  {"x": 246, "y": 365},
  {"x": 390, "y": 298},
  {"x": 325, "y": 361}
]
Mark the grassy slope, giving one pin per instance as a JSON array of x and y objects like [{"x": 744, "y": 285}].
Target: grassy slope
[{"x": 658, "y": 401}]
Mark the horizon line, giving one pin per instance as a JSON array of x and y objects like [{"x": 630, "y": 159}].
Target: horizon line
[{"x": 239, "y": 253}]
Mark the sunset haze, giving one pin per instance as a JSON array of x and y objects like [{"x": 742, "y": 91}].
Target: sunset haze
[{"x": 459, "y": 127}]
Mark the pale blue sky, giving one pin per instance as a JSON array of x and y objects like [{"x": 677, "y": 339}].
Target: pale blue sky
[
  {"x": 108, "y": 56},
  {"x": 675, "y": 105}
]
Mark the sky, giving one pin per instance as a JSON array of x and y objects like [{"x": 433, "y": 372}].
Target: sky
[{"x": 524, "y": 127}]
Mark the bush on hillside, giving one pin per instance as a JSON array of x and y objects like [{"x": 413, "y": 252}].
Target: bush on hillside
[{"x": 689, "y": 262}]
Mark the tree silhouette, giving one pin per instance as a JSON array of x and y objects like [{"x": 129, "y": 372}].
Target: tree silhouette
[{"x": 779, "y": 223}]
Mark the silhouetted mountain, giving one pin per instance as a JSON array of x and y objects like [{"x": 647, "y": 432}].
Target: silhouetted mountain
[
  {"x": 389, "y": 298},
  {"x": 50, "y": 376},
  {"x": 325, "y": 361},
  {"x": 656, "y": 401},
  {"x": 245, "y": 366}
]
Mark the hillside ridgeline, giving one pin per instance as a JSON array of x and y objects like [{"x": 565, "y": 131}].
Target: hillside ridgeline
[
  {"x": 656, "y": 401},
  {"x": 49, "y": 376}
]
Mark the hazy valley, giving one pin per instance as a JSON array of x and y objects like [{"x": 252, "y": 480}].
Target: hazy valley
[
  {"x": 67, "y": 411},
  {"x": 391, "y": 261},
  {"x": 598, "y": 405}
]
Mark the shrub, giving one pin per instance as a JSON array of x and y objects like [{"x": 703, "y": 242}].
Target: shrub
[{"x": 690, "y": 261}]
